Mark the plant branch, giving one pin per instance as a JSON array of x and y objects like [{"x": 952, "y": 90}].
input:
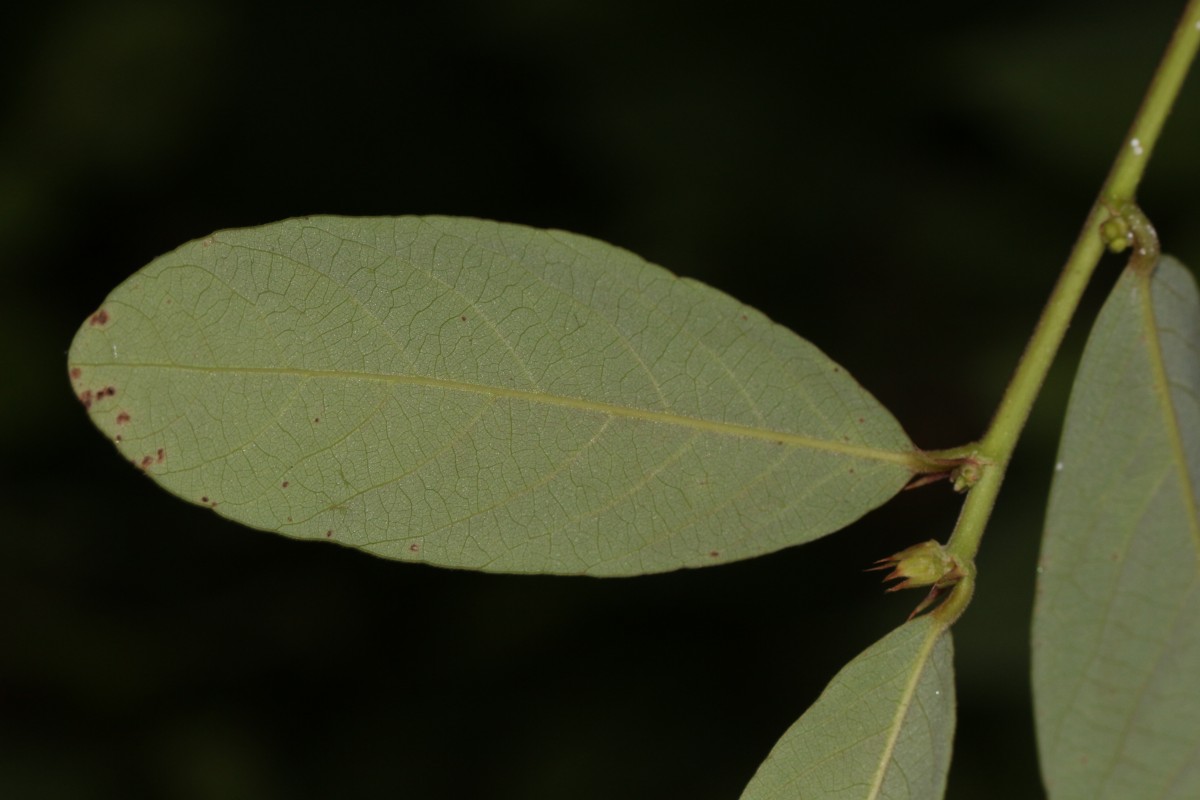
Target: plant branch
[{"x": 1114, "y": 221}]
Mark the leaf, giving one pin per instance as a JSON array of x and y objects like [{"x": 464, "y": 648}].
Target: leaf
[
  {"x": 883, "y": 728},
  {"x": 481, "y": 395},
  {"x": 1116, "y": 627}
]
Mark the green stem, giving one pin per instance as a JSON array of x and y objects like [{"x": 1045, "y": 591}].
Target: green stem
[
  {"x": 1135, "y": 152},
  {"x": 1115, "y": 201}
]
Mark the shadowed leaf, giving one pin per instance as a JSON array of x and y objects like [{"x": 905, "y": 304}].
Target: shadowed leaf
[
  {"x": 883, "y": 728},
  {"x": 1116, "y": 628},
  {"x": 480, "y": 395}
]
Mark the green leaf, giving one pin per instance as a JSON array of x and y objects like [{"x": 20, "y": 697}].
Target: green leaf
[
  {"x": 883, "y": 727},
  {"x": 1116, "y": 627},
  {"x": 482, "y": 395}
]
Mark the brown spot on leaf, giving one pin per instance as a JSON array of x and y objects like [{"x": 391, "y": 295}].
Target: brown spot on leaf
[
  {"x": 203, "y": 499},
  {"x": 147, "y": 461},
  {"x": 85, "y": 397},
  {"x": 316, "y": 419},
  {"x": 328, "y": 534},
  {"x": 123, "y": 418},
  {"x": 714, "y": 553},
  {"x": 414, "y": 547},
  {"x": 76, "y": 373},
  {"x": 284, "y": 484},
  {"x": 464, "y": 319},
  {"x": 107, "y": 391},
  {"x": 160, "y": 456},
  {"x": 99, "y": 318},
  {"x": 117, "y": 438}
]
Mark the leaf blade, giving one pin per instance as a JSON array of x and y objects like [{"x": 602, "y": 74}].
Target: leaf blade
[
  {"x": 884, "y": 726},
  {"x": 480, "y": 395},
  {"x": 1116, "y": 628}
]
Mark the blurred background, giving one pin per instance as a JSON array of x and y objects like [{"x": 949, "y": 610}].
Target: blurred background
[{"x": 898, "y": 182}]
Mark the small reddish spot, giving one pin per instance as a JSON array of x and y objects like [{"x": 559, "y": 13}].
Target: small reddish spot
[
  {"x": 203, "y": 499},
  {"x": 107, "y": 391},
  {"x": 414, "y": 547},
  {"x": 714, "y": 553},
  {"x": 464, "y": 319},
  {"x": 147, "y": 461},
  {"x": 328, "y": 534},
  {"x": 861, "y": 420},
  {"x": 161, "y": 456},
  {"x": 316, "y": 419},
  {"x": 76, "y": 373},
  {"x": 123, "y": 417},
  {"x": 837, "y": 369},
  {"x": 99, "y": 318},
  {"x": 289, "y": 519},
  {"x": 86, "y": 398},
  {"x": 117, "y": 438},
  {"x": 744, "y": 318},
  {"x": 284, "y": 484}
]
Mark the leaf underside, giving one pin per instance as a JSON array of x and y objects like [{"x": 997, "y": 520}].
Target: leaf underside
[
  {"x": 1116, "y": 627},
  {"x": 883, "y": 728},
  {"x": 480, "y": 395}
]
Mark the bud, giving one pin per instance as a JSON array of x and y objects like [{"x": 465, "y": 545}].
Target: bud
[
  {"x": 924, "y": 564},
  {"x": 966, "y": 475},
  {"x": 1116, "y": 233}
]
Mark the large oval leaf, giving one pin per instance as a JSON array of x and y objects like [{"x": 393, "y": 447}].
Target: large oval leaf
[
  {"x": 1116, "y": 627},
  {"x": 480, "y": 395},
  {"x": 884, "y": 727}
]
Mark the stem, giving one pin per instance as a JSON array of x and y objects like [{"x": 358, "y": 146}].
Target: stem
[
  {"x": 1130, "y": 163},
  {"x": 1115, "y": 201}
]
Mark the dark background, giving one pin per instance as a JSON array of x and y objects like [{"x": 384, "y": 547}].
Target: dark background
[{"x": 898, "y": 182}]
